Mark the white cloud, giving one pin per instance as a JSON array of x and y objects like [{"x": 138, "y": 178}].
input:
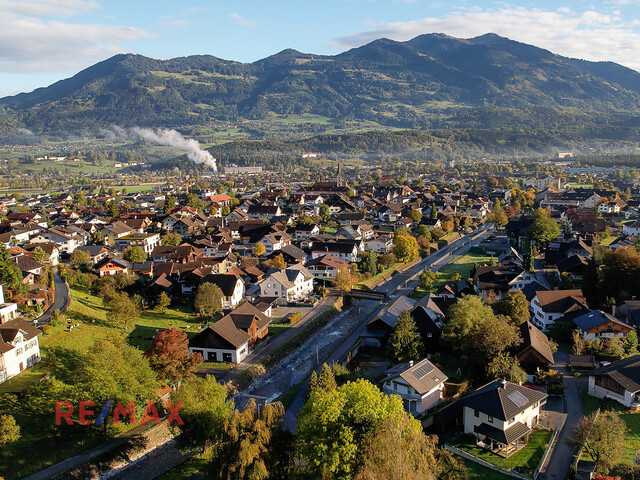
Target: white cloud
[
  {"x": 178, "y": 23},
  {"x": 243, "y": 21},
  {"x": 589, "y": 35},
  {"x": 47, "y": 8},
  {"x": 34, "y": 45}
]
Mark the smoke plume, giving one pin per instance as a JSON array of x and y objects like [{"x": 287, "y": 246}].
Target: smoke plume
[{"x": 170, "y": 138}]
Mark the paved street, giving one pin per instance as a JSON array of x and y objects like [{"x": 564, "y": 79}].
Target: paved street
[
  {"x": 59, "y": 302},
  {"x": 560, "y": 459}
]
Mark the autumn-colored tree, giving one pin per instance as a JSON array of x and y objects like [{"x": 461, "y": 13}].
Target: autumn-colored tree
[
  {"x": 122, "y": 310},
  {"x": 278, "y": 261},
  {"x": 620, "y": 273},
  {"x": 169, "y": 355},
  {"x": 79, "y": 258},
  {"x": 415, "y": 215},
  {"x": 171, "y": 239},
  {"x": 135, "y": 254},
  {"x": 405, "y": 248},
  {"x": 427, "y": 279},
  {"x": 498, "y": 215},
  {"x": 259, "y": 249},
  {"x": 505, "y": 366},
  {"x": 345, "y": 280}
]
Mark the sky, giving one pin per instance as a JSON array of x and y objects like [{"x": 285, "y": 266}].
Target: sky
[{"x": 43, "y": 41}]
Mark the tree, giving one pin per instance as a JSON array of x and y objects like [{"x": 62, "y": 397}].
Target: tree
[
  {"x": 10, "y": 274},
  {"x": 544, "y": 228},
  {"x": 226, "y": 210},
  {"x": 325, "y": 213},
  {"x": 434, "y": 212},
  {"x": 415, "y": 215},
  {"x": 135, "y": 254},
  {"x": 122, "y": 310},
  {"x": 505, "y": 366},
  {"x": 614, "y": 347},
  {"x": 620, "y": 273},
  {"x": 387, "y": 259},
  {"x": 603, "y": 438},
  {"x": 405, "y": 341},
  {"x": 399, "y": 449},
  {"x": 247, "y": 446},
  {"x": 333, "y": 425},
  {"x": 497, "y": 215},
  {"x": 578, "y": 343},
  {"x": 194, "y": 201},
  {"x": 326, "y": 381},
  {"x": 345, "y": 280},
  {"x": 427, "y": 279},
  {"x": 514, "y": 305},
  {"x": 203, "y": 412},
  {"x": 39, "y": 255},
  {"x": 114, "y": 370},
  {"x": 405, "y": 248},
  {"x": 472, "y": 329},
  {"x": 369, "y": 263},
  {"x": 169, "y": 355},
  {"x": 169, "y": 204},
  {"x": 171, "y": 239},
  {"x": 259, "y": 249},
  {"x": 208, "y": 300},
  {"x": 79, "y": 258},
  {"x": 278, "y": 262},
  {"x": 9, "y": 431},
  {"x": 631, "y": 343},
  {"x": 112, "y": 207},
  {"x": 163, "y": 302}
]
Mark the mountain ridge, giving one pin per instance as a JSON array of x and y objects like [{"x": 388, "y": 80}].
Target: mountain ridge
[{"x": 430, "y": 81}]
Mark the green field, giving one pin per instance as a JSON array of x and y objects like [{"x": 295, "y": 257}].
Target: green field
[
  {"x": 632, "y": 440},
  {"x": 479, "y": 472}
]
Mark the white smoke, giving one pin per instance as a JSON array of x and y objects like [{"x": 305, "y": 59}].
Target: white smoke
[{"x": 169, "y": 138}]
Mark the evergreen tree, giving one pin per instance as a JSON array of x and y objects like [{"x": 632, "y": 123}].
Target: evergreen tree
[{"x": 405, "y": 341}]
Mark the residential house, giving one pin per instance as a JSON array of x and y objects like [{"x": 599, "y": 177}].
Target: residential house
[
  {"x": 381, "y": 244},
  {"x": 420, "y": 385},
  {"x": 305, "y": 231},
  {"x": 8, "y": 311},
  {"x": 111, "y": 266},
  {"x": 148, "y": 242},
  {"x": 326, "y": 267},
  {"x": 501, "y": 415},
  {"x": 535, "y": 352},
  {"x": 275, "y": 241},
  {"x": 96, "y": 252},
  {"x": 549, "y": 306},
  {"x": 110, "y": 233},
  {"x": 344, "y": 250},
  {"x": 232, "y": 337},
  {"x": 631, "y": 228},
  {"x": 19, "y": 347},
  {"x": 293, "y": 284},
  {"x": 232, "y": 289},
  {"x": 499, "y": 279},
  {"x": 620, "y": 381},
  {"x": 595, "y": 324}
]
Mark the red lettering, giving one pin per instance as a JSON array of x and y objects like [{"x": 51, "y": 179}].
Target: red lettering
[
  {"x": 83, "y": 412},
  {"x": 150, "y": 413},
  {"x": 64, "y": 414},
  {"x": 174, "y": 413},
  {"x": 120, "y": 410}
]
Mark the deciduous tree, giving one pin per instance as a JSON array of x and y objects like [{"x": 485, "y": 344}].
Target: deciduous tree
[
  {"x": 345, "y": 280},
  {"x": 123, "y": 312},
  {"x": 208, "y": 300},
  {"x": 135, "y": 254},
  {"x": 603, "y": 437},
  {"x": 169, "y": 356},
  {"x": 163, "y": 302},
  {"x": 259, "y": 249},
  {"x": 514, "y": 305},
  {"x": 405, "y": 248},
  {"x": 9, "y": 431},
  {"x": 427, "y": 279},
  {"x": 171, "y": 239},
  {"x": 505, "y": 366},
  {"x": 278, "y": 261}
]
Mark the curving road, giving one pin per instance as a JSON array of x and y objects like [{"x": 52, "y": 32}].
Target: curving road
[{"x": 60, "y": 300}]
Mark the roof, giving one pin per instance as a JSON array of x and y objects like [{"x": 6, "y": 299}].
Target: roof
[
  {"x": 227, "y": 283},
  {"x": 245, "y": 314},
  {"x": 626, "y": 372},
  {"x": 561, "y": 301},
  {"x": 423, "y": 376},
  {"x": 390, "y": 313},
  {"x": 224, "y": 328},
  {"x": 595, "y": 318},
  {"x": 534, "y": 338},
  {"x": 501, "y": 399},
  {"x": 10, "y": 329},
  {"x": 511, "y": 434},
  {"x": 582, "y": 361}
]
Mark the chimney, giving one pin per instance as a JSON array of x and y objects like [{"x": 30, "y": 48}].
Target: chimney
[
  {"x": 503, "y": 383},
  {"x": 410, "y": 363}
]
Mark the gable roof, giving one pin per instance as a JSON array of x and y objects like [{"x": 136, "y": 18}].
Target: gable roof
[
  {"x": 561, "y": 301},
  {"x": 501, "y": 399},
  {"x": 626, "y": 372},
  {"x": 227, "y": 283},
  {"x": 595, "y": 318},
  {"x": 245, "y": 314},
  {"x": 534, "y": 338}
]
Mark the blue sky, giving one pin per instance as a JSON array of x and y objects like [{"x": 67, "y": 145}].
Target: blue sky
[{"x": 42, "y": 41}]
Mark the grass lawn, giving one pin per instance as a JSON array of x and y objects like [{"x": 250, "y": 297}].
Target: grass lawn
[
  {"x": 22, "y": 381},
  {"x": 386, "y": 271},
  {"x": 192, "y": 466},
  {"x": 463, "y": 265},
  {"x": 527, "y": 458},
  {"x": 632, "y": 440},
  {"x": 287, "y": 397},
  {"x": 277, "y": 328},
  {"x": 591, "y": 404},
  {"x": 480, "y": 472}
]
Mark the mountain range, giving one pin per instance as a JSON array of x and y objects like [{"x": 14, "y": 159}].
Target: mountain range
[{"x": 431, "y": 81}]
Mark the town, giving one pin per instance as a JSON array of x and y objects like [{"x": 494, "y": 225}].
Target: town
[{"x": 488, "y": 310}]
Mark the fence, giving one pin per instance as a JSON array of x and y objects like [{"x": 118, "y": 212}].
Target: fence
[
  {"x": 546, "y": 454},
  {"x": 479, "y": 461}
]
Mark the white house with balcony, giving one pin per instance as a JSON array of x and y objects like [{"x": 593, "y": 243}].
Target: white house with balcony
[
  {"x": 420, "y": 385},
  {"x": 8, "y": 311},
  {"x": 501, "y": 415}
]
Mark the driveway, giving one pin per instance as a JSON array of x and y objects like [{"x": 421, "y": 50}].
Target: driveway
[
  {"x": 562, "y": 455},
  {"x": 59, "y": 302}
]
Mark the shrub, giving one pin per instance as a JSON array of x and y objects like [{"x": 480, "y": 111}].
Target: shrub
[
  {"x": 295, "y": 318},
  {"x": 47, "y": 329}
]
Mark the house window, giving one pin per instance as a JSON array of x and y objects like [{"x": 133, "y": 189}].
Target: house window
[{"x": 476, "y": 413}]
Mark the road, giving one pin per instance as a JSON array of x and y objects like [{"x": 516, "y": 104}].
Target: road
[
  {"x": 560, "y": 459},
  {"x": 401, "y": 284},
  {"x": 59, "y": 302}
]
